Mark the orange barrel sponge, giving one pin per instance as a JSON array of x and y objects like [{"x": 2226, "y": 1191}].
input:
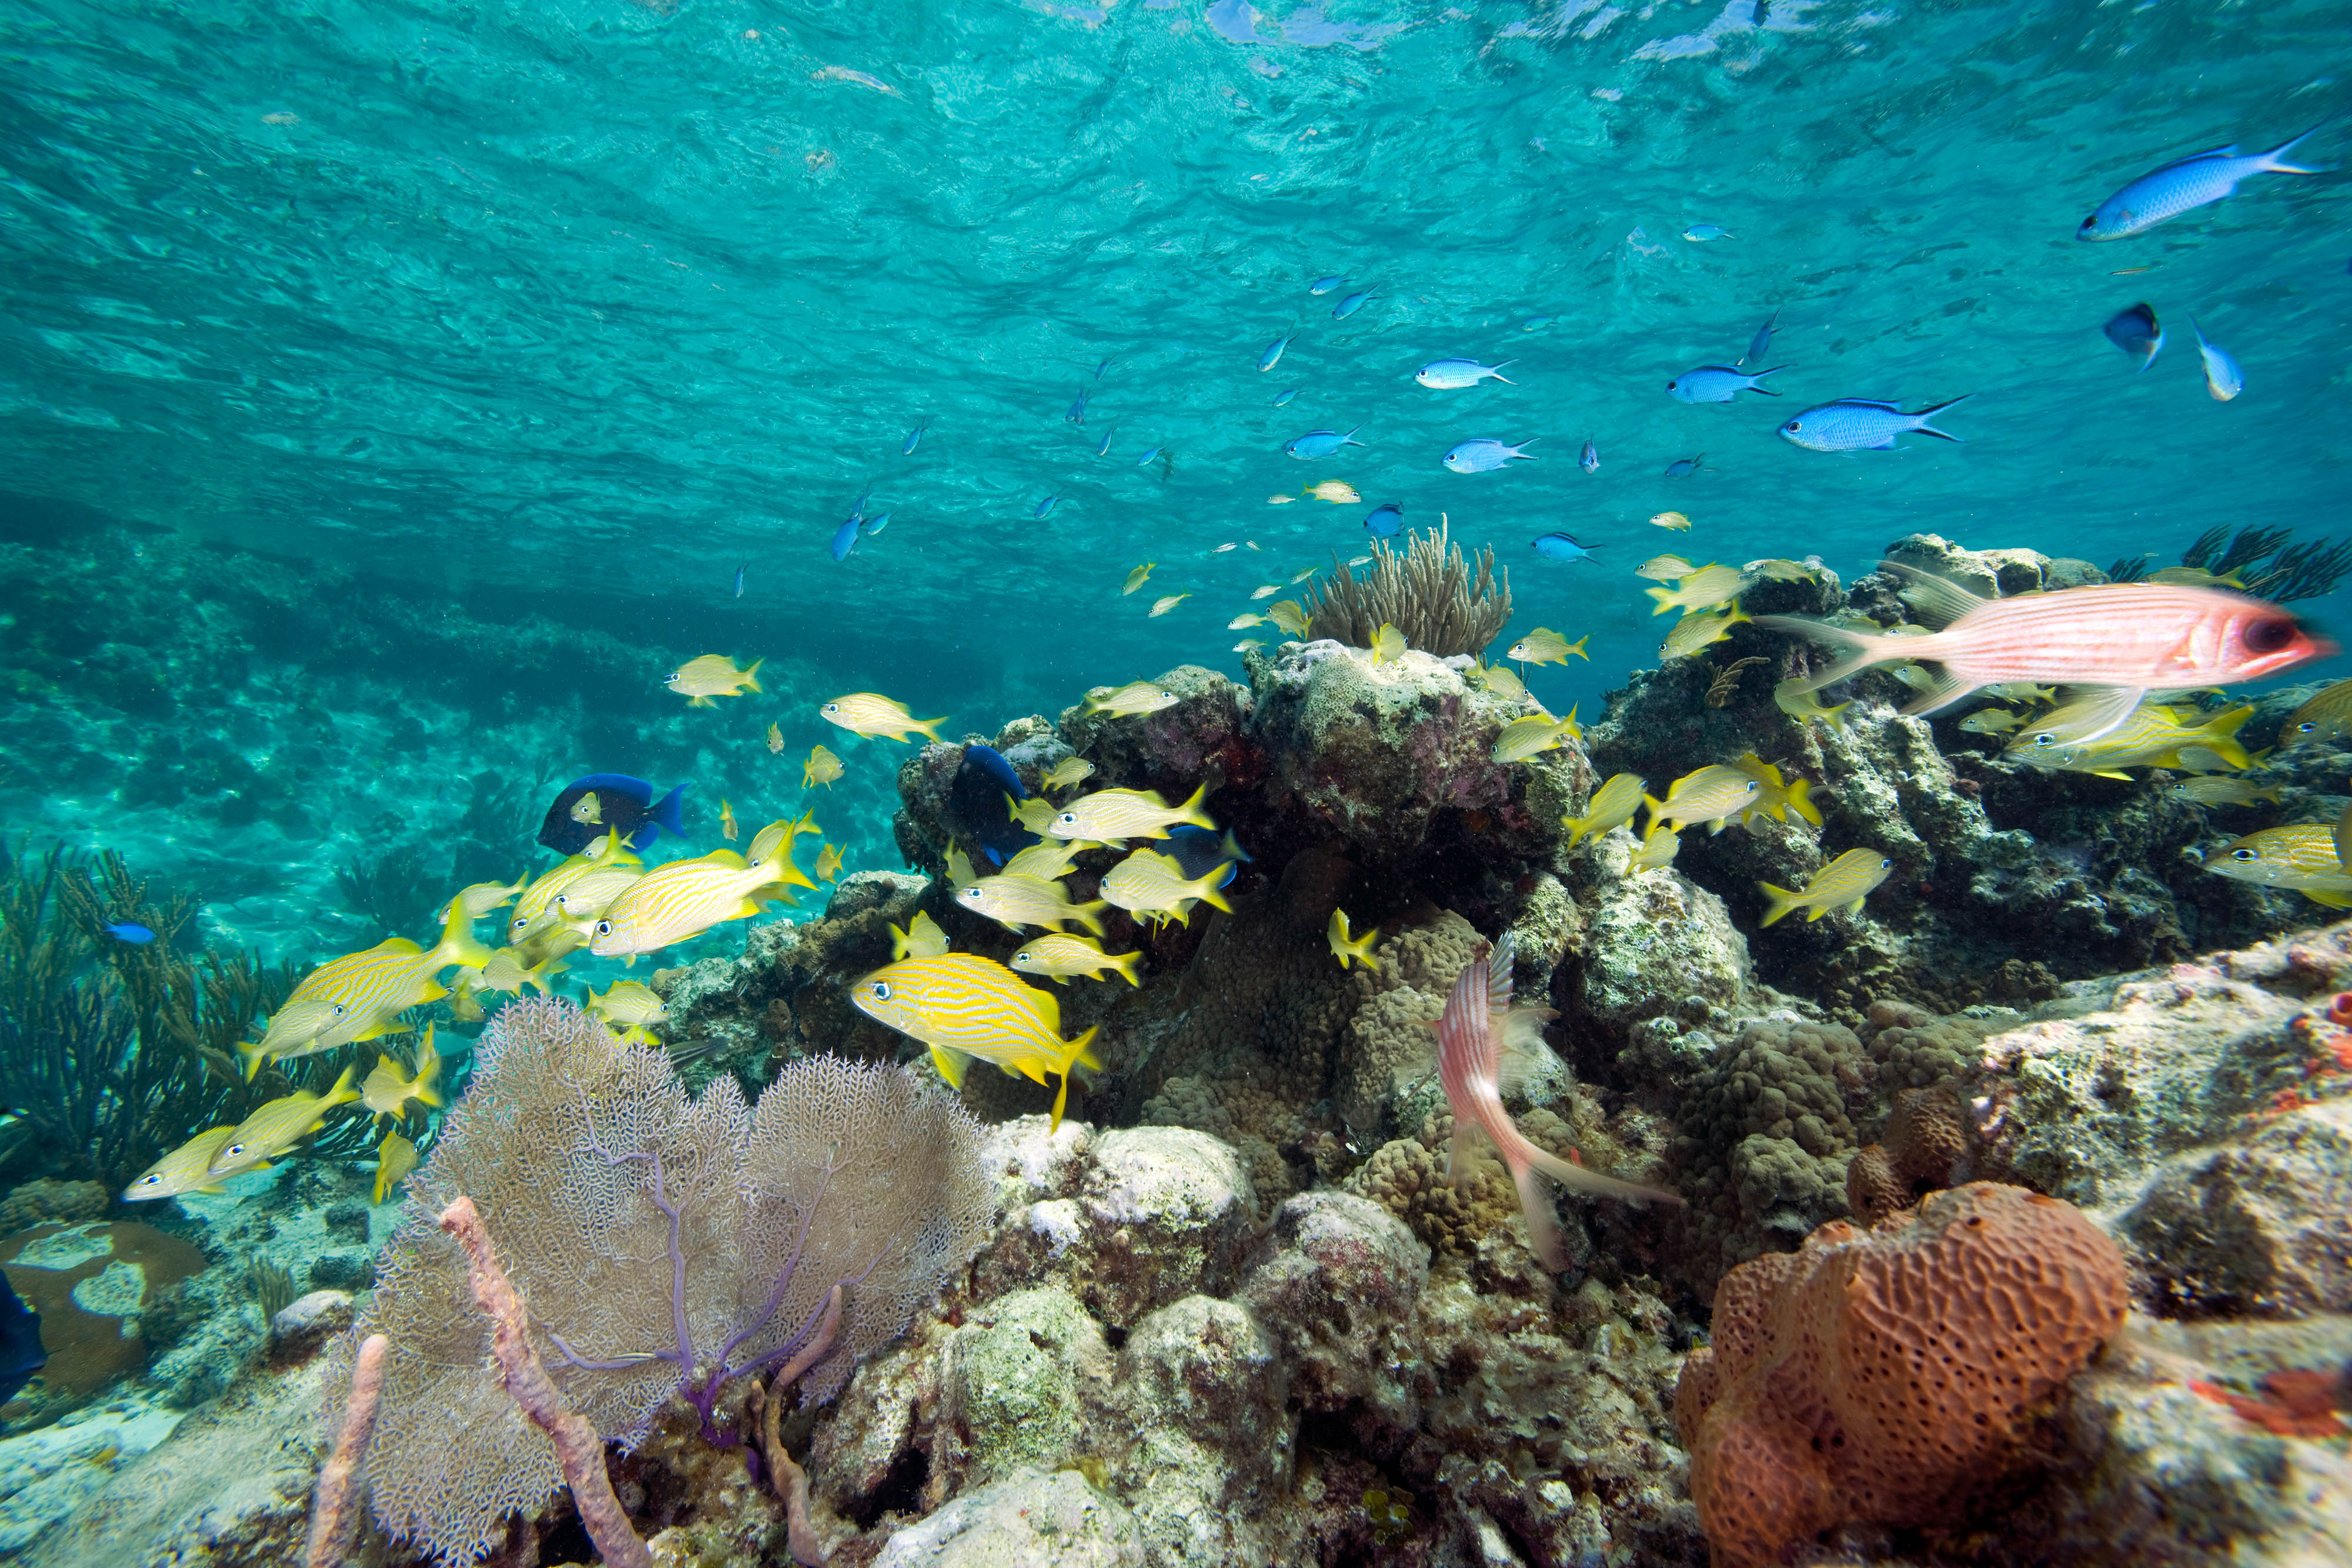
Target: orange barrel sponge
[{"x": 1889, "y": 1376}]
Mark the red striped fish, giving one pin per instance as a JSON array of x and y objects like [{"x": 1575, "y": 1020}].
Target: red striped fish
[
  {"x": 1483, "y": 1043},
  {"x": 2130, "y": 639}
]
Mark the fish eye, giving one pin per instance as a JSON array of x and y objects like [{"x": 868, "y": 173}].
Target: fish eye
[
  {"x": 1796, "y": 425},
  {"x": 604, "y": 928},
  {"x": 149, "y": 1180},
  {"x": 2045, "y": 739},
  {"x": 338, "y": 1010},
  {"x": 2306, "y": 727},
  {"x": 2245, "y": 854},
  {"x": 233, "y": 1151},
  {"x": 881, "y": 990},
  {"x": 2269, "y": 636},
  {"x": 1883, "y": 864},
  {"x": 1068, "y": 819},
  {"x": 1672, "y": 385}
]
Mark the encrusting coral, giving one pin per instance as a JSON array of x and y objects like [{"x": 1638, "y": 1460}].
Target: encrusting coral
[{"x": 1890, "y": 1378}]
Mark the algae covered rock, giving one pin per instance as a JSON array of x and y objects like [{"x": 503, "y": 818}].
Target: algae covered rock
[
  {"x": 1011, "y": 1377},
  {"x": 1028, "y": 1520},
  {"x": 1336, "y": 1281},
  {"x": 1207, "y": 1460},
  {"x": 1654, "y": 944}
]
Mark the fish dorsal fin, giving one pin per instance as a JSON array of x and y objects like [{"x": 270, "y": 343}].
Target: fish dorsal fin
[
  {"x": 1937, "y": 599},
  {"x": 1498, "y": 974},
  {"x": 397, "y": 945}
]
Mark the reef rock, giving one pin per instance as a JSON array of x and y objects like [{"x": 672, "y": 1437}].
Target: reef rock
[{"x": 1028, "y": 1520}]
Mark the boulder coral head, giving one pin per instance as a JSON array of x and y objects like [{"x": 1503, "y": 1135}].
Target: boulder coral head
[{"x": 1889, "y": 1377}]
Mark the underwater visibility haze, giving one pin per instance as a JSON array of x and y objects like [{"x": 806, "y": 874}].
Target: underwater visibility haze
[{"x": 1026, "y": 782}]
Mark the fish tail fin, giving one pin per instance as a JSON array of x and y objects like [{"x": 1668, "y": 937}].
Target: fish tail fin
[
  {"x": 1081, "y": 1050},
  {"x": 1657, "y": 810},
  {"x": 342, "y": 1093},
  {"x": 1190, "y": 811},
  {"x": 1666, "y": 599},
  {"x": 1083, "y": 913},
  {"x": 1577, "y": 828},
  {"x": 669, "y": 812},
  {"x": 254, "y": 1057},
  {"x": 1800, "y": 801},
  {"x": 458, "y": 943},
  {"x": 1576, "y": 1178},
  {"x": 1205, "y": 890},
  {"x": 930, "y": 726},
  {"x": 752, "y": 675},
  {"x": 2274, "y": 161},
  {"x": 1543, "y": 1223},
  {"x": 1779, "y": 901},
  {"x": 1129, "y": 966},
  {"x": 1495, "y": 370},
  {"x": 1859, "y": 650},
  {"x": 1924, "y": 428}
]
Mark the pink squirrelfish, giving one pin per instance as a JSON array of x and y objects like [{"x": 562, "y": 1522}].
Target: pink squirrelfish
[
  {"x": 2129, "y": 639},
  {"x": 1483, "y": 1043}
]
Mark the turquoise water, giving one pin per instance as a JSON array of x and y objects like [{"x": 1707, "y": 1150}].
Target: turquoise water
[{"x": 567, "y": 310}]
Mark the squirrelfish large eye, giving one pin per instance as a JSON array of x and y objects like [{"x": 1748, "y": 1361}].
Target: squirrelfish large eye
[{"x": 2270, "y": 635}]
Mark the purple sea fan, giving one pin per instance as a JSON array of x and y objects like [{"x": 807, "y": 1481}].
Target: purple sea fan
[{"x": 664, "y": 1244}]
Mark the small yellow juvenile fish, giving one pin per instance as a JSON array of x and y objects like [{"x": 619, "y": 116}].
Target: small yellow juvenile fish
[
  {"x": 959, "y": 872},
  {"x": 1665, "y": 568},
  {"x": 1136, "y": 577},
  {"x": 686, "y": 898},
  {"x": 2221, "y": 791},
  {"x": 1135, "y": 697},
  {"x": 1803, "y": 705},
  {"x": 1047, "y": 862},
  {"x": 386, "y": 1094},
  {"x": 1036, "y": 813},
  {"x": 507, "y": 972},
  {"x": 1708, "y": 794},
  {"x": 1546, "y": 646},
  {"x": 1388, "y": 645},
  {"x": 1248, "y": 644},
  {"x": 480, "y": 899},
  {"x": 1265, "y": 590},
  {"x": 775, "y": 740},
  {"x": 1656, "y": 849},
  {"x": 1674, "y": 520},
  {"x": 1704, "y": 588},
  {"x": 2304, "y": 857},
  {"x": 712, "y": 675},
  {"x": 632, "y": 1007},
  {"x": 1287, "y": 615},
  {"x": 1777, "y": 797},
  {"x": 2326, "y": 716},
  {"x": 1338, "y": 492},
  {"x": 1073, "y": 769},
  {"x": 1244, "y": 623},
  {"x": 1114, "y": 816},
  {"x": 1612, "y": 805},
  {"x": 1843, "y": 884},
  {"x": 961, "y": 1004},
  {"x": 1499, "y": 679},
  {"x": 395, "y": 1158},
  {"x": 1698, "y": 630},
  {"x": 1152, "y": 885},
  {"x": 1992, "y": 721},
  {"x": 727, "y": 826},
  {"x": 1784, "y": 570},
  {"x": 828, "y": 864},
  {"x": 871, "y": 713},
  {"x": 822, "y": 767},
  {"x": 1350, "y": 950},
  {"x": 1060, "y": 956},
  {"x": 1524, "y": 738},
  {"x": 1163, "y": 606},
  {"x": 922, "y": 938},
  {"x": 1013, "y": 902},
  {"x": 182, "y": 1170},
  {"x": 278, "y": 1126}
]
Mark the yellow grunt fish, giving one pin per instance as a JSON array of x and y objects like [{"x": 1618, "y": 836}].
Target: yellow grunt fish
[
  {"x": 922, "y": 938},
  {"x": 1265, "y": 590},
  {"x": 712, "y": 675},
  {"x": 1709, "y": 796},
  {"x": 1244, "y": 623},
  {"x": 1114, "y": 816},
  {"x": 1388, "y": 645},
  {"x": 2151, "y": 736},
  {"x": 1524, "y": 738},
  {"x": 1672, "y": 521},
  {"x": 631, "y": 1008},
  {"x": 1152, "y": 884},
  {"x": 1665, "y": 568},
  {"x": 2021, "y": 692},
  {"x": 961, "y": 1004},
  {"x": 822, "y": 767},
  {"x": 395, "y": 1158},
  {"x": 1612, "y": 805},
  {"x": 1843, "y": 884},
  {"x": 481, "y": 898},
  {"x": 1287, "y": 615},
  {"x": 278, "y": 1126},
  {"x": 727, "y": 826},
  {"x": 1704, "y": 588},
  {"x": 1804, "y": 706},
  {"x": 2304, "y": 857},
  {"x": 959, "y": 872},
  {"x": 1035, "y": 813},
  {"x": 1060, "y": 956},
  {"x": 1698, "y": 630},
  {"x": 1992, "y": 721},
  {"x": 1338, "y": 492},
  {"x": 1163, "y": 606},
  {"x": 828, "y": 864},
  {"x": 1069, "y": 771},
  {"x": 386, "y": 1094},
  {"x": 775, "y": 739},
  {"x": 686, "y": 898},
  {"x": 1047, "y": 860},
  {"x": 1349, "y": 949},
  {"x": 1135, "y": 697},
  {"x": 362, "y": 995},
  {"x": 871, "y": 713},
  {"x": 182, "y": 1170},
  {"x": 1497, "y": 679},
  {"x": 1137, "y": 576},
  {"x": 1656, "y": 851},
  {"x": 1777, "y": 797},
  {"x": 1545, "y": 646},
  {"x": 2221, "y": 791},
  {"x": 1013, "y": 902},
  {"x": 2326, "y": 716}
]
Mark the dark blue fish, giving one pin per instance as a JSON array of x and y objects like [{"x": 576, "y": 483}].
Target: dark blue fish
[
  {"x": 740, "y": 572},
  {"x": 2135, "y": 332},
  {"x": 1197, "y": 851},
  {"x": 980, "y": 805},
  {"x": 588, "y": 808},
  {"x": 913, "y": 436},
  {"x": 1385, "y": 520},
  {"x": 21, "y": 1351},
  {"x": 126, "y": 931},
  {"x": 1761, "y": 341},
  {"x": 1077, "y": 412},
  {"x": 1560, "y": 546},
  {"x": 844, "y": 537},
  {"x": 1682, "y": 468}
]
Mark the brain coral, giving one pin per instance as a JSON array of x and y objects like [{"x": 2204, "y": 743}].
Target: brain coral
[{"x": 1887, "y": 1377}]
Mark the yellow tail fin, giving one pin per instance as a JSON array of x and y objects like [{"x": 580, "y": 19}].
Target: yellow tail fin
[
  {"x": 752, "y": 675},
  {"x": 1129, "y": 965},
  {"x": 1781, "y": 901},
  {"x": 1800, "y": 801},
  {"x": 1190, "y": 811}
]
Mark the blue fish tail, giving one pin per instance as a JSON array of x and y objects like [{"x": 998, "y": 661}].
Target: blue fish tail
[
  {"x": 1759, "y": 375},
  {"x": 669, "y": 812},
  {"x": 1924, "y": 428},
  {"x": 2271, "y": 159}
]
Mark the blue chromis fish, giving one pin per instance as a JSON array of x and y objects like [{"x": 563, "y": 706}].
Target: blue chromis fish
[
  {"x": 1684, "y": 467},
  {"x": 129, "y": 931},
  {"x": 906, "y": 447},
  {"x": 2223, "y": 380},
  {"x": 1862, "y": 424},
  {"x": 2134, "y": 330},
  {"x": 1450, "y": 375},
  {"x": 2184, "y": 184},
  {"x": 1076, "y": 414},
  {"x": 1046, "y": 506},
  {"x": 844, "y": 537},
  {"x": 1484, "y": 455},
  {"x": 1560, "y": 546},
  {"x": 1325, "y": 285},
  {"x": 1843, "y": 884},
  {"x": 874, "y": 526},
  {"x": 1350, "y": 305},
  {"x": 1589, "y": 458},
  {"x": 1718, "y": 383},
  {"x": 1273, "y": 354},
  {"x": 1762, "y": 342},
  {"x": 740, "y": 573},
  {"x": 1321, "y": 442},
  {"x": 1384, "y": 521},
  {"x": 1282, "y": 398},
  {"x": 961, "y": 1004},
  {"x": 1104, "y": 449},
  {"x": 1701, "y": 233},
  {"x": 1145, "y": 461}
]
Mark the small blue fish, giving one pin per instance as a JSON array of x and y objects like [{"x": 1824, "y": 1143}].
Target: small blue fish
[
  {"x": 914, "y": 435},
  {"x": 874, "y": 529},
  {"x": 2222, "y": 377},
  {"x": 1385, "y": 520},
  {"x": 740, "y": 572},
  {"x": 1100, "y": 368},
  {"x": 2184, "y": 184},
  {"x": 1537, "y": 323},
  {"x": 844, "y": 537},
  {"x": 1717, "y": 383},
  {"x": 2135, "y": 332},
  {"x": 129, "y": 931},
  {"x": 1104, "y": 449},
  {"x": 1452, "y": 375},
  {"x": 1484, "y": 455},
  {"x": 1350, "y": 305},
  {"x": 1325, "y": 285},
  {"x": 1322, "y": 442},
  {"x": 1560, "y": 546},
  {"x": 1046, "y": 506},
  {"x": 1272, "y": 355},
  {"x": 1077, "y": 411},
  {"x": 1589, "y": 458},
  {"x": 1145, "y": 461},
  {"x": 1684, "y": 467},
  {"x": 1704, "y": 232},
  {"x": 1858, "y": 424},
  {"x": 1280, "y": 399},
  {"x": 1761, "y": 341}
]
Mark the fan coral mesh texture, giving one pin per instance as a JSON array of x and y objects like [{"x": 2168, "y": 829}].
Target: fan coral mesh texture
[
  {"x": 1889, "y": 1377},
  {"x": 662, "y": 1243},
  {"x": 1427, "y": 594}
]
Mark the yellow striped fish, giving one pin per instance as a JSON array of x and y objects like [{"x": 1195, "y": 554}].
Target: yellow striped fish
[
  {"x": 1013, "y": 902},
  {"x": 686, "y": 898},
  {"x": 922, "y": 938},
  {"x": 277, "y": 1127},
  {"x": 1612, "y": 805},
  {"x": 1803, "y": 705},
  {"x": 182, "y": 1170},
  {"x": 360, "y": 995},
  {"x": 1843, "y": 884},
  {"x": 1047, "y": 860},
  {"x": 1656, "y": 851},
  {"x": 481, "y": 898},
  {"x": 1060, "y": 956},
  {"x": 387, "y": 1093},
  {"x": 509, "y": 972},
  {"x": 630, "y": 1007},
  {"x": 961, "y": 1004},
  {"x": 1114, "y": 816},
  {"x": 1777, "y": 797},
  {"x": 1150, "y": 883},
  {"x": 2304, "y": 857},
  {"x": 395, "y": 1158},
  {"x": 2152, "y": 735},
  {"x": 2326, "y": 716},
  {"x": 538, "y": 900},
  {"x": 1702, "y": 588},
  {"x": 871, "y": 713},
  {"x": 1135, "y": 697},
  {"x": 1524, "y": 738},
  {"x": 1709, "y": 796},
  {"x": 1699, "y": 630},
  {"x": 1545, "y": 646}
]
